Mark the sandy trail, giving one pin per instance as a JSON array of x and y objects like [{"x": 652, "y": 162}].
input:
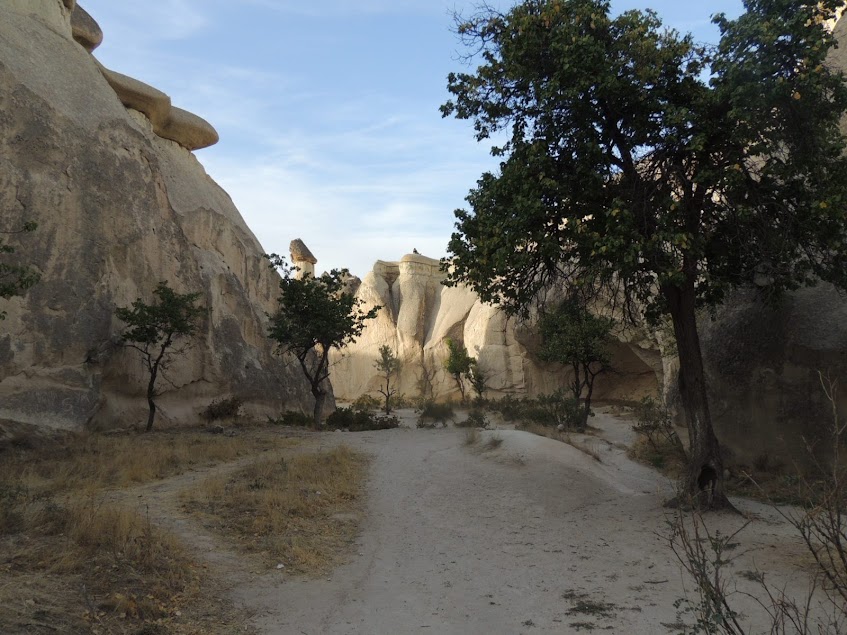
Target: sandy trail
[
  {"x": 508, "y": 541},
  {"x": 533, "y": 537}
]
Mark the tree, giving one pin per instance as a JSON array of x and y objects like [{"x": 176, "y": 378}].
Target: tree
[
  {"x": 15, "y": 279},
  {"x": 160, "y": 331},
  {"x": 478, "y": 378},
  {"x": 459, "y": 364},
  {"x": 656, "y": 170},
  {"x": 571, "y": 335},
  {"x": 388, "y": 366},
  {"x": 315, "y": 315}
]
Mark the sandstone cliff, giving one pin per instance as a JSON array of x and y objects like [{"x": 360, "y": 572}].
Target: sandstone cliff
[
  {"x": 419, "y": 314},
  {"x": 103, "y": 164}
]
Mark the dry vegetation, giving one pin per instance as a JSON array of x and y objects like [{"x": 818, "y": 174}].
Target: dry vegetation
[
  {"x": 298, "y": 511},
  {"x": 73, "y": 560}
]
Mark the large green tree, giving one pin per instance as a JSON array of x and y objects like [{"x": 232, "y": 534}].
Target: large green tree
[
  {"x": 315, "y": 315},
  {"x": 15, "y": 278},
  {"x": 160, "y": 331},
  {"x": 665, "y": 172}
]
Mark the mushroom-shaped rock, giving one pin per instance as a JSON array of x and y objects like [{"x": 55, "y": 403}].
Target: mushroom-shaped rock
[
  {"x": 301, "y": 253},
  {"x": 85, "y": 29},
  {"x": 188, "y": 130},
  {"x": 137, "y": 95},
  {"x": 302, "y": 258}
]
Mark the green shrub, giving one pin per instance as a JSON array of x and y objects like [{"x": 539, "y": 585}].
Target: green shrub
[
  {"x": 559, "y": 409},
  {"x": 655, "y": 423},
  {"x": 228, "y": 408},
  {"x": 293, "y": 418},
  {"x": 358, "y": 421},
  {"x": 510, "y": 408},
  {"x": 366, "y": 403},
  {"x": 436, "y": 412},
  {"x": 476, "y": 419}
]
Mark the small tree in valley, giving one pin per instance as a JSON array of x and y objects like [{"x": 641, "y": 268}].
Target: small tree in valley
[
  {"x": 459, "y": 364},
  {"x": 15, "y": 279},
  {"x": 315, "y": 315},
  {"x": 160, "y": 331},
  {"x": 388, "y": 366},
  {"x": 573, "y": 337}
]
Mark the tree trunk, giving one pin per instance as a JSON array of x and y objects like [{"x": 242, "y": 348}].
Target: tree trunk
[
  {"x": 151, "y": 392},
  {"x": 320, "y": 399},
  {"x": 704, "y": 483}
]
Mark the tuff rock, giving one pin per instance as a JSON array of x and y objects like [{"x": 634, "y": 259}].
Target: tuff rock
[{"x": 103, "y": 164}]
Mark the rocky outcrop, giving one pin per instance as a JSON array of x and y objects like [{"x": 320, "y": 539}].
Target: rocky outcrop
[
  {"x": 119, "y": 206},
  {"x": 419, "y": 314},
  {"x": 762, "y": 365},
  {"x": 302, "y": 258}
]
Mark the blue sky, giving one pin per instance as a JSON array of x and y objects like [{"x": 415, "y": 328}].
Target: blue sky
[{"x": 327, "y": 110}]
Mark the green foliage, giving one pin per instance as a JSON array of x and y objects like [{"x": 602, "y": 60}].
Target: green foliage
[
  {"x": 358, "y": 421},
  {"x": 223, "y": 408},
  {"x": 389, "y": 367},
  {"x": 574, "y": 337},
  {"x": 315, "y": 315},
  {"x": 479, "y": 379},
  {"x": 617, "y": 148},
  {"x": 459, "y": 364},
  {"x": 365, "y": 403},
  {"x": 476, "y": 419},
  {"x": 293, "y": 418},
  {"x": 627, "y": 173},
  {"x": 15, "y": 279},
  {"x": 553, "y": 410},
  {"x": 436, "y": 412},
  {"x": 160, "y": 331}
]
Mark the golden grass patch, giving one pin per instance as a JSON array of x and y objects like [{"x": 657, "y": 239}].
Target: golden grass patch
[
  {"x": 299, "y": 511},
  {"x": 87, "y": 462},
  {"x": 74, "y": 561}
]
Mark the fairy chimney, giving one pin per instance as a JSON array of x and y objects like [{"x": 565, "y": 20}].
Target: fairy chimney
[{"x": 302, "y": 258}]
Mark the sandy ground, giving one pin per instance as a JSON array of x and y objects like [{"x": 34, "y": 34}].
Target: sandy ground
[{"x": 529, "y": 538}]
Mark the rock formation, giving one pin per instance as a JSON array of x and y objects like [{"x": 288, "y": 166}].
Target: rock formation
[
  {"x": 302, "y": 258},
  {"x": 103, "y": 164},
  {"x": 419, "y": 314}
]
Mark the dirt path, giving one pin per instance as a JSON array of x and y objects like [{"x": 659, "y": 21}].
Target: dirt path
[{"x": 533, "y": 537}]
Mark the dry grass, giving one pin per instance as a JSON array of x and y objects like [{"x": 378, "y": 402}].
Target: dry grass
[
  {"x": 89, "y": 462},
  {"x": 661, "y": 454},
  {"x": 587, "y": 445},
  {"x": 297, "y": 511},
  {"x": 110, "y": 567},
  {"x": 72, "y": 561}
]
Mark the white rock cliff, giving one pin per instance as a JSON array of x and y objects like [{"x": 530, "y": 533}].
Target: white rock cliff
[{"x": 103, "y": 164}]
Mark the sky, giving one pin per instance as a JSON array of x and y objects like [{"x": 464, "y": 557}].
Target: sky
[{"x": 328, "y": 110}]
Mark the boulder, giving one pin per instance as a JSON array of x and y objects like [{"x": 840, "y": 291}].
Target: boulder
[{"x": 119, "y": 208}]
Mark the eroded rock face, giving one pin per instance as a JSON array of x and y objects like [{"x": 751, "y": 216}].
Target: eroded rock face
[
  {"x": 419, "y": 314},
  {"x": 762, "y": 362},
  {"x": 118, "y": 208}
]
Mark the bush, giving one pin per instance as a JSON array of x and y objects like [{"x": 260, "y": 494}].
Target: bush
[
  {"x": 509, "y": 407},
  {"x": 476, "y": 419},
  {"x": 357, "y": 421},
  {"x": 553, "y": 410},
  {"x": 366, "y": 403},
  {"x": 655, "y": 424},
  {"x": 436, "y": 413},
  {"x": 228, "y": 408},
  {"x": 293, "y": 418}
]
